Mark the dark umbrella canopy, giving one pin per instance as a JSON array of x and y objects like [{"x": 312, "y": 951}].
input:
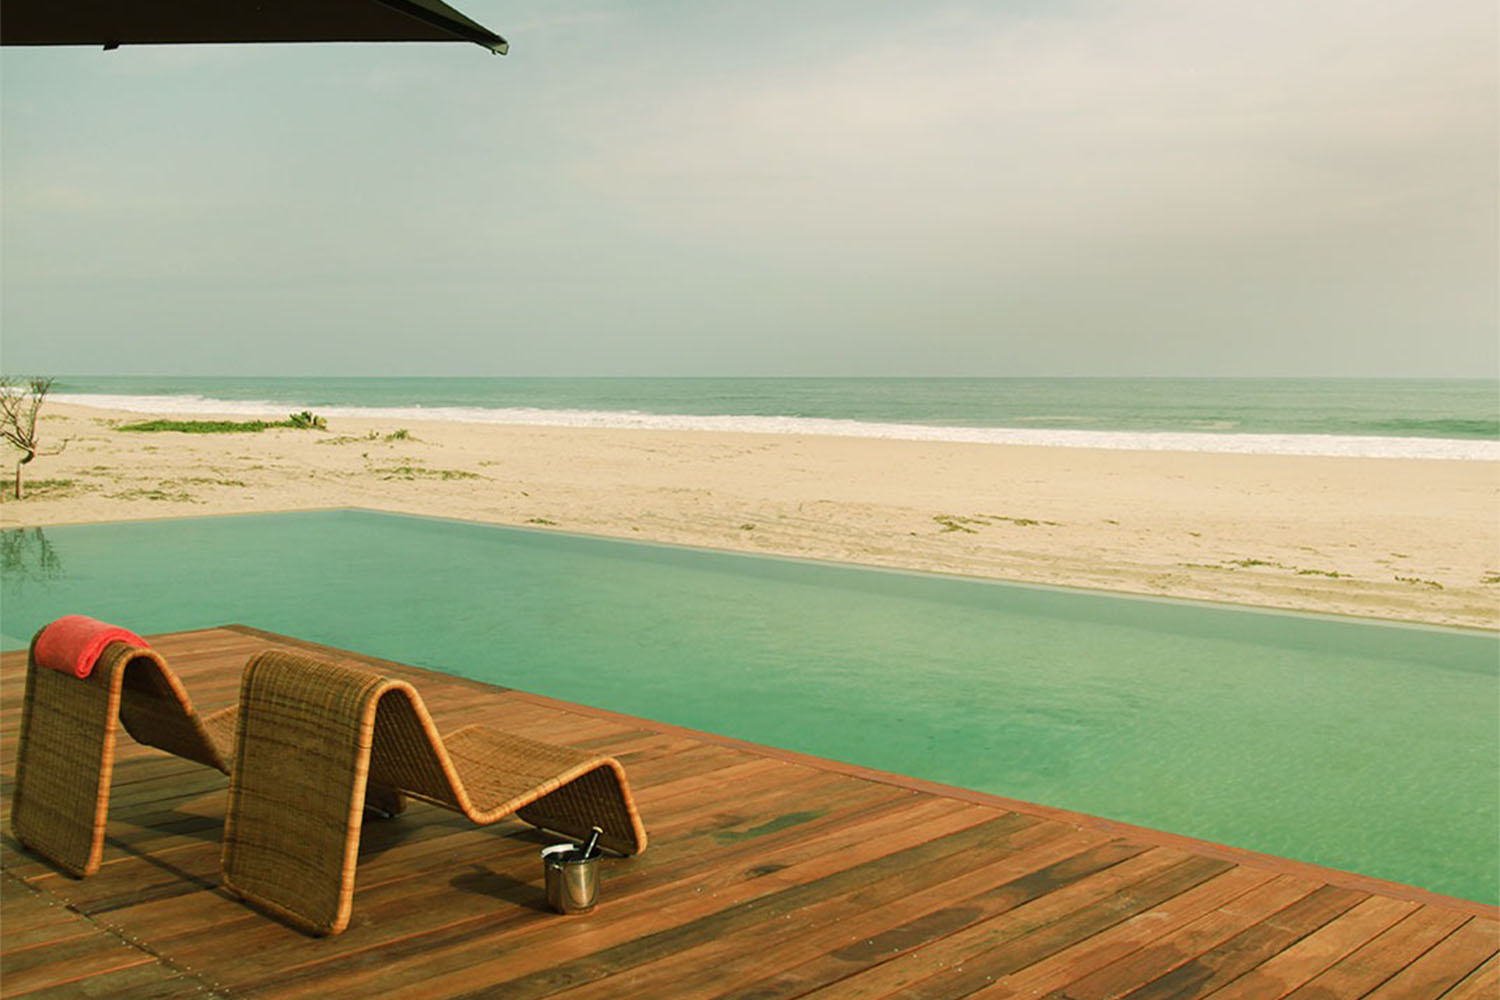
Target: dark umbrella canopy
[{"x": 112, "y": 23}]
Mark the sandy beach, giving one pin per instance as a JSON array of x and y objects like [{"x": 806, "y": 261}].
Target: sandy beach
[{"x": 1404, "y": 539}]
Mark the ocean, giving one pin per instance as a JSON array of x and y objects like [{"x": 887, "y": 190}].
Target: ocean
[{"x": 1419, "y": 418}]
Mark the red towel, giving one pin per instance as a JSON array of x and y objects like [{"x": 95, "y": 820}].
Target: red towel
[{"x": 72, "y": 644}]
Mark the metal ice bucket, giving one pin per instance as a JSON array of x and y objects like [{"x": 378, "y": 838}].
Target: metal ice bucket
[{"x": 572, "y": 885}]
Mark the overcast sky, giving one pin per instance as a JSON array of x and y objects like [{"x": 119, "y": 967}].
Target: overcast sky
[{"x": 1152, "y": 187}]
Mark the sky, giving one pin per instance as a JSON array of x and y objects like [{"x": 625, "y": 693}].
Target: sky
[{"x": 1153, "y": 187}]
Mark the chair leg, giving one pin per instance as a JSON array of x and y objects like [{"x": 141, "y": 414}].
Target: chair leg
[
  {"x": 296, "y": 806},
  {"x": 63, "y": 764},
  {"x": 384, "y": 801}
]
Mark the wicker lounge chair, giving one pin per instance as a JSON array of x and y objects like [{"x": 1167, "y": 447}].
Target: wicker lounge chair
[
  {"x": 313, "y": 732},
  {"x": 67, "y": 746}
]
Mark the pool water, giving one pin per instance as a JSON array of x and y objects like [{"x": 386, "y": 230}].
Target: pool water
[{"x": 1365, "y": 746}]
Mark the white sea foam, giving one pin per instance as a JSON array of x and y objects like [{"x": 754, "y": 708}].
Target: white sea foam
[{"x": 1240, "y": 444}]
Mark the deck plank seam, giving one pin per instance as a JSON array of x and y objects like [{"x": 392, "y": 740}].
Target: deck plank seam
[
  {"x": 1227, "y": 948},
  {"x": 206, "y": 986},
  {"x": 1395, "y": 973},
  {"x": 1122, "y": 916}
]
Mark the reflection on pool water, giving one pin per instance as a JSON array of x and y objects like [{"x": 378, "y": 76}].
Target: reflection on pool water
[{"x": 1364, "y": 746}]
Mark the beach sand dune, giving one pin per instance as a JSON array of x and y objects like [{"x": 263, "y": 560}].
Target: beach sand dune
[{"x": 1407, "y": 539}]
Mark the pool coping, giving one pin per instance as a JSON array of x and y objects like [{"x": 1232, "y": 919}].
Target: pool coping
[{"x": 1159, "y": 838}]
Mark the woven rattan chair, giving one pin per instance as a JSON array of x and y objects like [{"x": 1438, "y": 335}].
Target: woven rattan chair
[
  {"x": 66, "y": 751},
  {"x": 313, "y": 732}
]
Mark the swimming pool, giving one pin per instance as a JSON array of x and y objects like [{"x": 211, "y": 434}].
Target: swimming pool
[{"x": 1365, "y": 746}]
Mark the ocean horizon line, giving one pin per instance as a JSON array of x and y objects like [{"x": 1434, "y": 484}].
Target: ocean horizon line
[{"x": 1490, "y": 383}]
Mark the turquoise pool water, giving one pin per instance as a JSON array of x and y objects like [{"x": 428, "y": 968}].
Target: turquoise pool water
[{"x": 1369, "y": 747}]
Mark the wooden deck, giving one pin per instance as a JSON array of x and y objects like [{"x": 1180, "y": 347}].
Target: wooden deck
[{"x": 769, "y": 875}]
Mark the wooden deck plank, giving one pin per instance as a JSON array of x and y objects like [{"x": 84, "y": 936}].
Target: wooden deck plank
[
  {"x": 392, "y": 916},
  {"x": 516, "y": 865},
  {"x": 770, "y": 875},
  {"x": 1282, "y": 973},
  {"x": 1444, "y": 965},
  {"x": 944, "y": 967},
  {"x": 147, "y": 981},
  {"x": 32, "y": 919},
  {"x": 1382, "y": 957},
  {"x": 1098, "y": 950},
  {"x": 540, "y": 956},
  {"x": 1481, "y": 984},
  {"x": 67, "y": 962},
  {"x": 48, "y": 947},
  {"x": 1173, "y": 949},
  {"x": 777, "y": 900},
  {"x": 901, "y": 912},
  {"x": 1231, "y": 959},
  {"x": 1030, "y": 942},
  {"x": 852, "y": 942}
]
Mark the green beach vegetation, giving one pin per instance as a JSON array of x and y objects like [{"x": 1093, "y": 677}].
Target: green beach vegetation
[
  {"x": 971, "y": 525},
  {"x": 53, "y": 487},
  {"x": 419, "y": 472},
  {"x": 164, "y": 495},
  {"x": 202, "y": 426},
  {"x": 308, "y": 421},
  {"x": 305, "y": 420},
  {"x": 401, "y": 434}
]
